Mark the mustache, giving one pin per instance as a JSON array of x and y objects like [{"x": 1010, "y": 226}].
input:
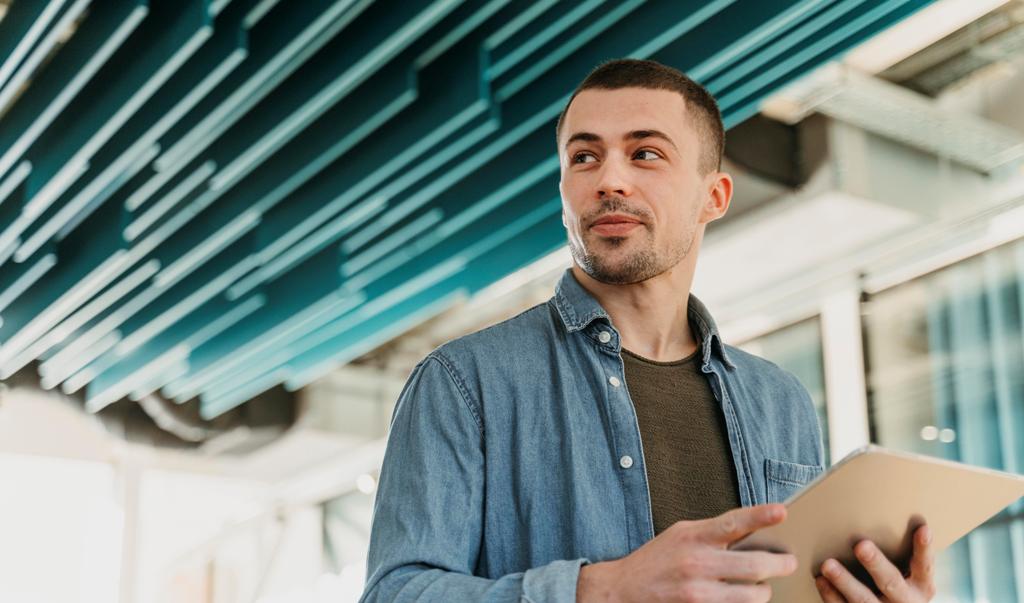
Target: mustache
[{"x": 617, "y": 205}]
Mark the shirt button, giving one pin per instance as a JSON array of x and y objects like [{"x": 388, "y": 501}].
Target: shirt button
[
  {"x": 626, "y": 462},
  {"x": 614, "y": 381},
  {"x": 604, "y": 336}
]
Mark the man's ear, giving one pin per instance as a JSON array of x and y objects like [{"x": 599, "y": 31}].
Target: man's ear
[
  {"x": 716, "y": 203},
  {"x": 564, "y": 223}
]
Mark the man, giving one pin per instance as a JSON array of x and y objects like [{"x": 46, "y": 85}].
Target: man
[{"x": 607, "y": 445}]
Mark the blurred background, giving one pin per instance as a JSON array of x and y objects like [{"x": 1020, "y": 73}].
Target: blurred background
[{"x": 230, "y": 228}]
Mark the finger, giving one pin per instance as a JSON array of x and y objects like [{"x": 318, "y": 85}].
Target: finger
[
  {"x": 751, "y": 566},
  {"x": 733, "y": 525},
  {"x": 848, "y": 586},
  {"x": 828, "y": 593},
  {"x": 709, "y": 590},
  {"x": 887, "y": 577},
  {"x": 922, "y": 564},
  {"x": 746, "y": 593}
]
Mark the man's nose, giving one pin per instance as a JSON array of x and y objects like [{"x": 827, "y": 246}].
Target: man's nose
[{"x": 614, "y": 180}]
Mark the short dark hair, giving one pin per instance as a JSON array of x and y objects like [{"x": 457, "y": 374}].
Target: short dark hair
[{"x": 635, "y": 73}]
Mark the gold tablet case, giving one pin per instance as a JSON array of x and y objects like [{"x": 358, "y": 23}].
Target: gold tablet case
[{"x": 881, "y": 495}]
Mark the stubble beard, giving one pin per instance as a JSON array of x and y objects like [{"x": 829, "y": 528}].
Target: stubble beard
[{"x": 595, "y": 253}]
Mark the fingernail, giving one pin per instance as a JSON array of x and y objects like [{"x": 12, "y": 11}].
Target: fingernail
[
  {"x": 829, "y": 567},
  {"x": 927, "y": 535},
  {"x": 865, "y": 549}
]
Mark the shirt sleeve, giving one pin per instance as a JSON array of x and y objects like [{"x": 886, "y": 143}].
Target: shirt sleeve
[{"x": 427, "y": 528}]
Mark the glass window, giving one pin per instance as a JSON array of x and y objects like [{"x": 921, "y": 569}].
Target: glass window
[
  {"x": 946, "y": 378},
  {"x": 797, "y": 348}
]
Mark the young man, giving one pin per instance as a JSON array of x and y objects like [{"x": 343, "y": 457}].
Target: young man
[{"x": 607, "y": 445}]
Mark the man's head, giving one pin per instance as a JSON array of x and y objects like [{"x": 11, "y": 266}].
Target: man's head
[{"x": 639, "y": 142}]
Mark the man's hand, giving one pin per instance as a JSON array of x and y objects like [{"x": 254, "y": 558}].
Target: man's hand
[
  {"x": 689, "y": 563},
  {"x": 837, "y": 585}
]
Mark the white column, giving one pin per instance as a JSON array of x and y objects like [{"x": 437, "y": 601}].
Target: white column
[
  {"x": 129, "y": 474},
  {"x": 845, "y": 386}
]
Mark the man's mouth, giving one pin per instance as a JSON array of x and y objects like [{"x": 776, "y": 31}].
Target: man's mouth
[{"x": 614, "y": 226}]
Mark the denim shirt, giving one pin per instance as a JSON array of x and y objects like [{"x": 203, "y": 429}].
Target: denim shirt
[{"x": 514, "y": 455}]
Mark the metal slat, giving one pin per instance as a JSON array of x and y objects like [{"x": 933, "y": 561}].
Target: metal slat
[
  {"x": 188, "y": 246},
  {"x": 97, "y": 256},
  {"x": 440, "y": 111},
  {"x": 52, "y": 90},
  {"x": 147, "y": 59},
  {"x": 298, "y": 31},
  {"x": 25, "y": 66},
  {"x": 311, "y": 92},
  {"x": 212, "y": 217},
  {"x": 316, "y": 138},
  {"x": 23, "y": 24},
  {"x": 192, "y": 239},
  {"x": 469, "y": 196},
  {"x": 222, "y": 237},
  {"x": 140, "y": 347},
  {"x": 547, "y": 234},
  {"x": 536, "y": 34},
  {"x": 493, "y": 230},
  {"x": 742, "y": 100},
  {"x": 300, "y": 301}
]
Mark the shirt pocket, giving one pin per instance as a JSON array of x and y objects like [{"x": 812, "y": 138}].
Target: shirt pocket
[{"x": 783, "y": 478}]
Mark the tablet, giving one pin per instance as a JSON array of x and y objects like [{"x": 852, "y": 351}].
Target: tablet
[{"x": 881, "y": 495}]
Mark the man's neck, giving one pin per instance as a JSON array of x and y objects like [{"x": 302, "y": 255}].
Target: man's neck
[{"x": 650, "y": 316}]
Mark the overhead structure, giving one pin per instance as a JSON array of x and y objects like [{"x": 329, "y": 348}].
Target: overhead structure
[{"x": 207, "y": 199}]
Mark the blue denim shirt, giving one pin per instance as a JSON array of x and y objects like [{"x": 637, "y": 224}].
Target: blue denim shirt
[{"x": 506, "y": 467}]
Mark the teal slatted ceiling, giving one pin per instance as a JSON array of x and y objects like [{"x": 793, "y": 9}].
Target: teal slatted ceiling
[{"x": 209, "y": 199}]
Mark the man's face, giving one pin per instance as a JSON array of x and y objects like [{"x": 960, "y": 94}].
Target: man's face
[{"x": 632, "y": 196}]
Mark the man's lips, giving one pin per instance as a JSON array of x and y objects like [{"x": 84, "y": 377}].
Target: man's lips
[{"x": 614, "y": 225}]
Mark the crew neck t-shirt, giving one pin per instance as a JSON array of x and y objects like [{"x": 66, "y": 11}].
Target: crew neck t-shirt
[{"x": 690, "y": 471}]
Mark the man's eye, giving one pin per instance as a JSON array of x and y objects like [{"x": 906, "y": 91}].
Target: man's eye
[
  {"x": 583, "y": 158},
  {"x": 646, "y": 155}
]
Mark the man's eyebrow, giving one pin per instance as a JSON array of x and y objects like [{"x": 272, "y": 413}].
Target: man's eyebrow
[
  {"x": 583, "y": 136},
  {"x": 634, "y": 135},
  {"x": 641, "y": 134}
]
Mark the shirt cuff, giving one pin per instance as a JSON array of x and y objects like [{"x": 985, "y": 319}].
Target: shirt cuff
[{"x": 554, "y": 582}]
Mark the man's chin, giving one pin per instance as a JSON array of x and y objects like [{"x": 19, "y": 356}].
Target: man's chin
[
  {"x": 617, "y": 274},
  {"x": 611, "y": 264}
]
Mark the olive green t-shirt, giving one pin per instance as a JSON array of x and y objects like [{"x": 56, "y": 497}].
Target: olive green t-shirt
[{"x": 690, "y": 471}]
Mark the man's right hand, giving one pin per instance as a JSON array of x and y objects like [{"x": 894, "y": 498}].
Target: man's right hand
[{"x": 690, "y": 562}]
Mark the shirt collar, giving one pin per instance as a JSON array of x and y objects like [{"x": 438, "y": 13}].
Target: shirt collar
[{"x": 578, "y": 308}]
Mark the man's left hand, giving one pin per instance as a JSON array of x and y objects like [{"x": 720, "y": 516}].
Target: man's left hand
[{"x": 838, "y": 585}]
